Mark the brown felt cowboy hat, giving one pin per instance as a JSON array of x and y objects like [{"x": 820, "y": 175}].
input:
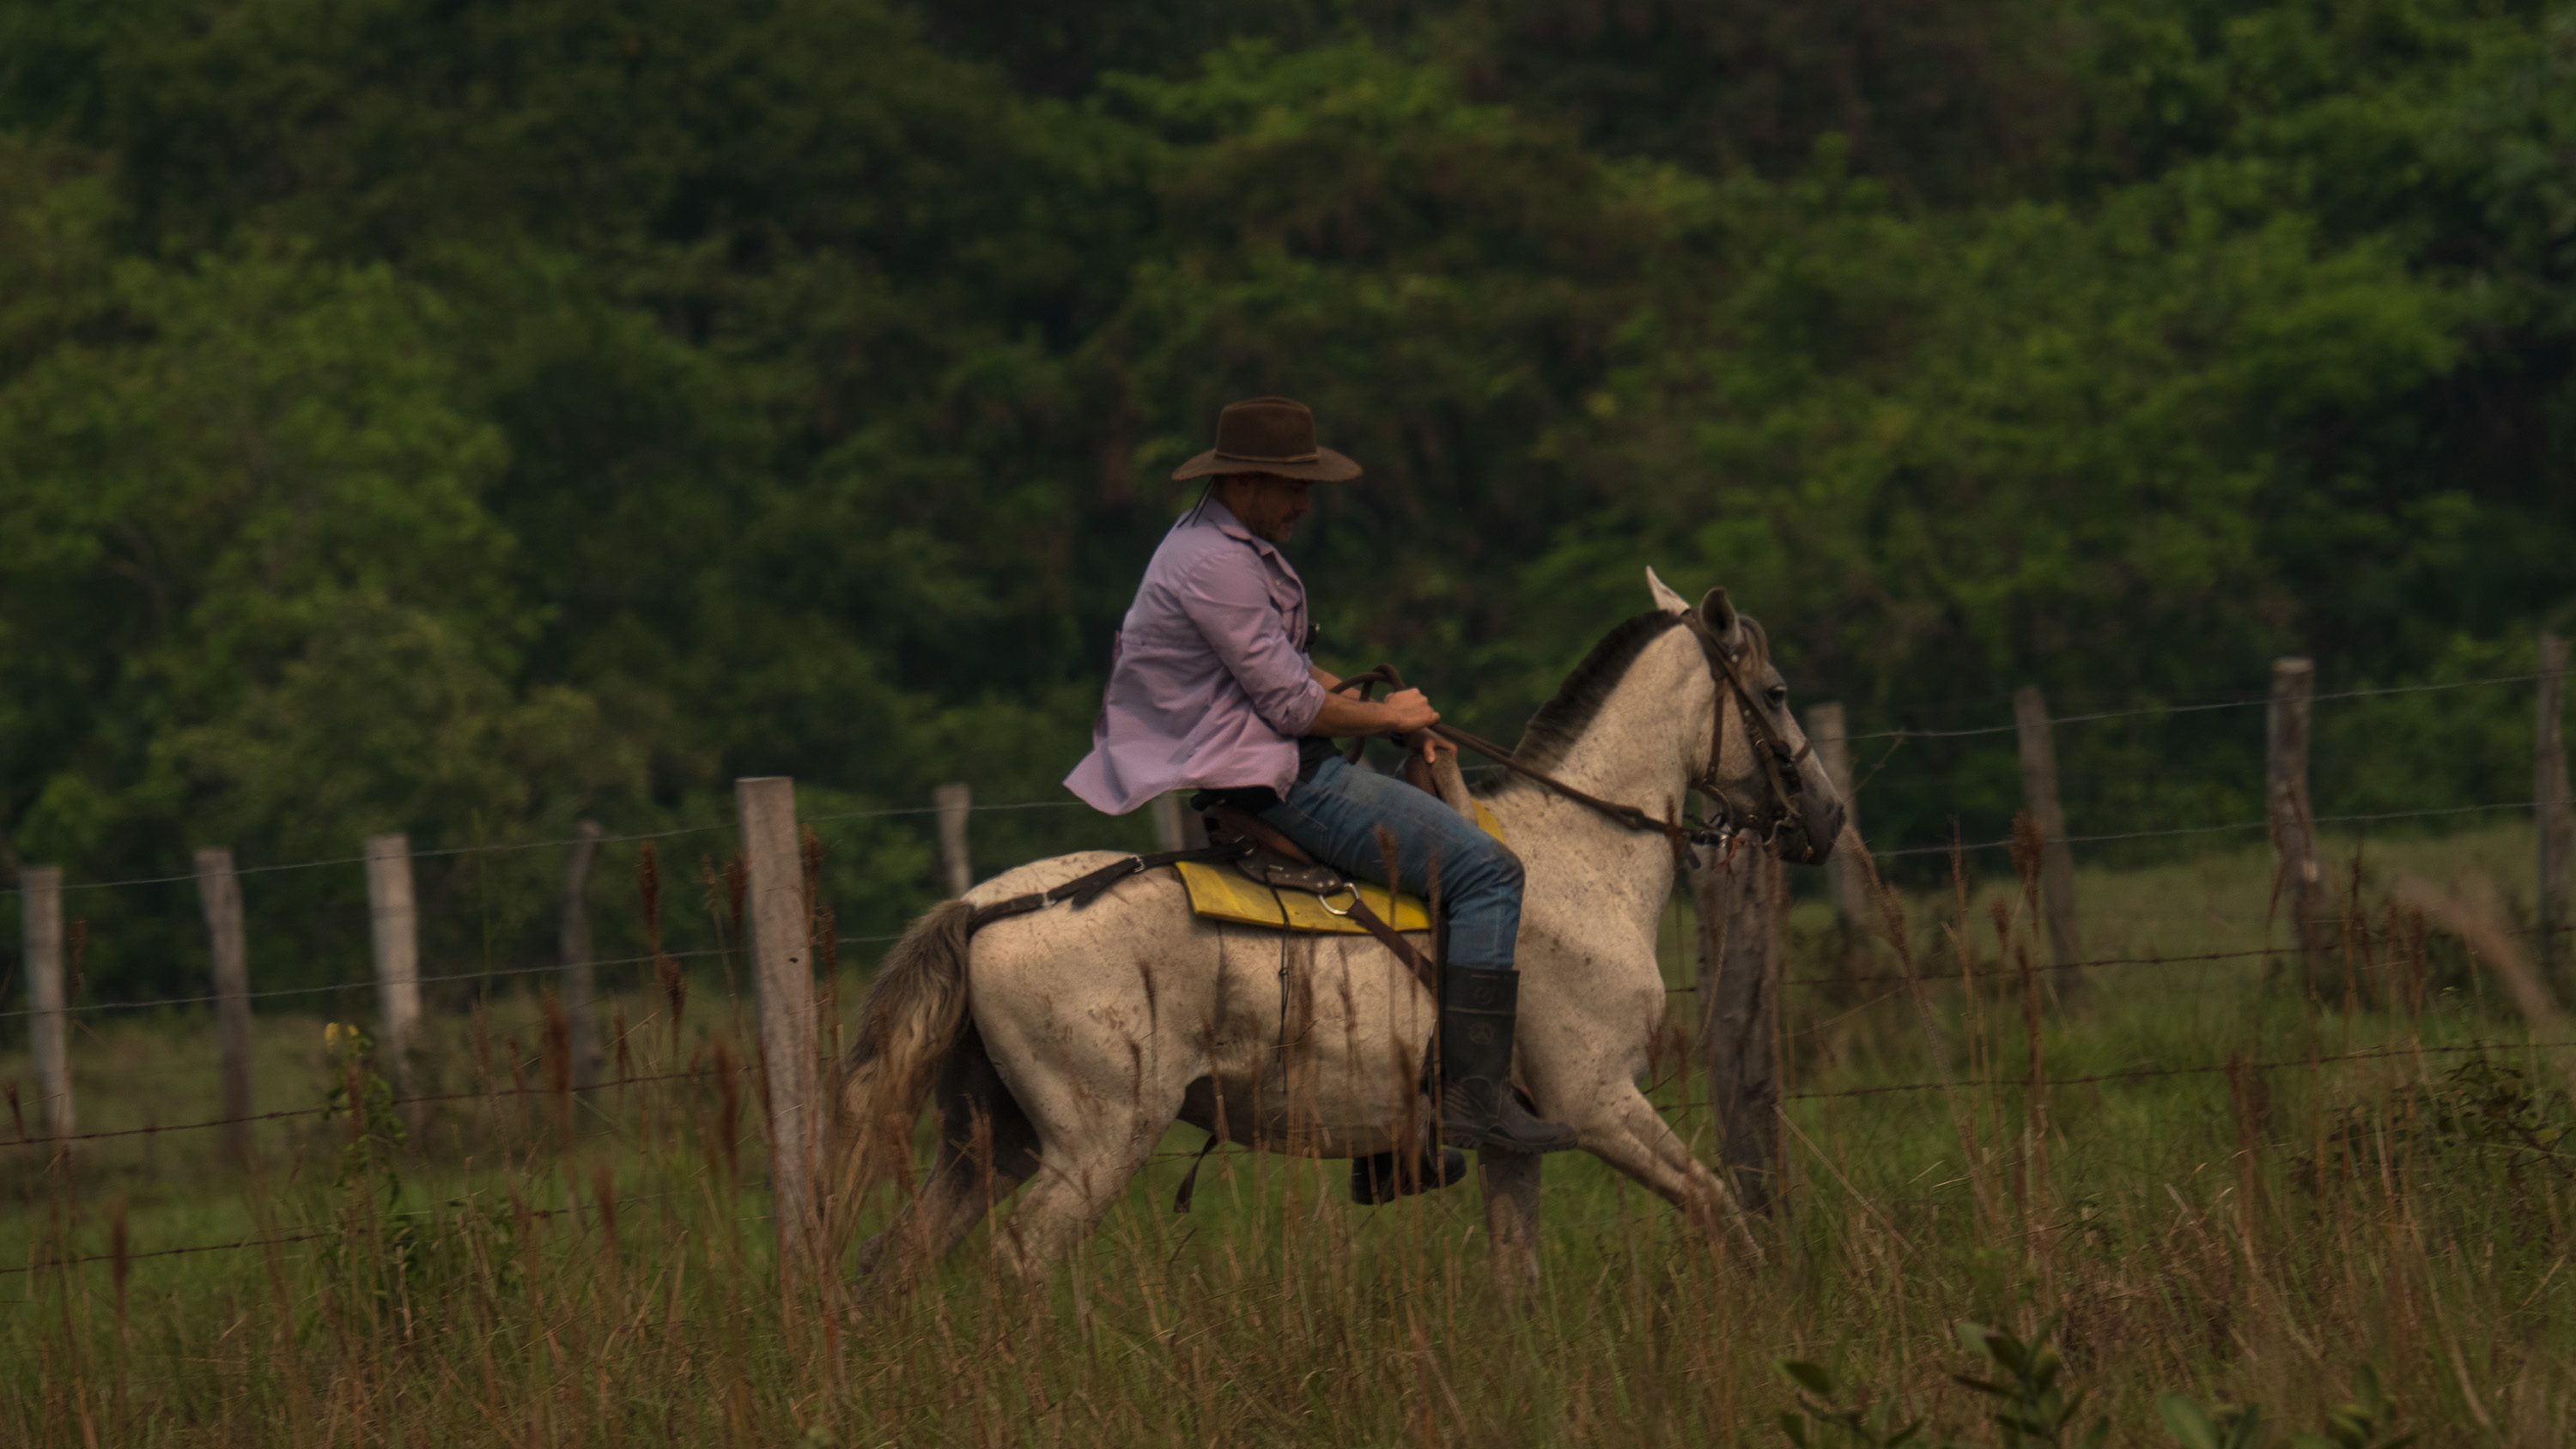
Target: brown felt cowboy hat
[{"x": 1273, "y": 435}]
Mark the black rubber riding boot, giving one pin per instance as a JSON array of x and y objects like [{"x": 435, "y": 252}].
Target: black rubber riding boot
[
  {"x": 1478, "y": 1006},
  {"x": 1383, "y": 1177}
]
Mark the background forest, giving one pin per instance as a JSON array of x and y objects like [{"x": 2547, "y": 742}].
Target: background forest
[{"x": 469, "y": 417}]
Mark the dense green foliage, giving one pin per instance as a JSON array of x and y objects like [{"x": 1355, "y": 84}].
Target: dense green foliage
[{"x": 464, "y": 417}]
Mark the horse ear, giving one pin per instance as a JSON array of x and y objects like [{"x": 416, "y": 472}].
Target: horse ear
[
  {"x": 1665, "y": 598},
  {"x": 1719, "y": 611}
]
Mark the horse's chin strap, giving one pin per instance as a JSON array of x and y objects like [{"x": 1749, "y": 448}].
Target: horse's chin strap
[{"x": 1766, "y": 747}]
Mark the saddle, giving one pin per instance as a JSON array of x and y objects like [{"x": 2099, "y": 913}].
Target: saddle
[{"x": 1266, "y": 888}]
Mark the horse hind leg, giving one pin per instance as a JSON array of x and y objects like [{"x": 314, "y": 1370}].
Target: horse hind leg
[
  {"x": 1095, "y": 1144},
  {"x": 986, "y": 1150}
]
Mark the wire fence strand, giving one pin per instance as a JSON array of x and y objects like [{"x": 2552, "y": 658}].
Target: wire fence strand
[
  {"x": 1902, "y": 732},
  {"x": 2248, "y": 702},
  {"x": 2371, "y": 818},
  {"x": 2145, "y": 1073},
  {"x": 504, "y": 847},
  {"x": 48, "y": 1140}
]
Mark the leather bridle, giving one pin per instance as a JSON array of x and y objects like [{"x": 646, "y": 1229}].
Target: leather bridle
[{"x": 1779, "y": 763}]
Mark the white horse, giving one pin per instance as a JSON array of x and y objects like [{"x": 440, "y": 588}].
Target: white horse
[{"x": 1064, "y": 1042}]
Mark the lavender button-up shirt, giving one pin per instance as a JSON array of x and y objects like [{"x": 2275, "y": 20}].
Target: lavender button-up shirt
[{"x": 1208, "y": 683}]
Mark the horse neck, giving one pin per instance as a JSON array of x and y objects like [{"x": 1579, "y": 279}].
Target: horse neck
[{"x": 1641, "y": 748}]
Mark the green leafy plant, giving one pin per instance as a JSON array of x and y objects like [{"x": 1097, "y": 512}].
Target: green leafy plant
[
  {"x": 2358, "y": 1423},
  {"x": 2221, "y": 1426},
  {"x": 363, "y": 1097},
  {"x": 384, "y": 1249},
  {"x": 2484, "y": 1114},
  {"x": 1872, "y": 1424},
  {"x": 2029, "y": 1407},
  {"x": 380, "y": 1246}
]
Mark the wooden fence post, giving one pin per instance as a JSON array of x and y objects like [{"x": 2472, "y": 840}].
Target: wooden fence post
[
  {"x": 779, "y": 925},
  {"x": 953, "y": 802},
  {"x": 2294, "y": 831},
  {"x": 395, "y": 917},
  {"x": 1852, "y": 905},
  {"x": 2056, "y": 855},
  {"x": 40, "y": 897},
  {"x": 2557, "y": 830},
  {"x": 1739, "y": 992},
  {"x": 572, "y": 937},
  {"x": 219, "y": 892}
]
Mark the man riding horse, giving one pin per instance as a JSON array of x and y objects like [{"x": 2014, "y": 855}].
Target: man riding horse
[{"x": 1213, "y": 688}]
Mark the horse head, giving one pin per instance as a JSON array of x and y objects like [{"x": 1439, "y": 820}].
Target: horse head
[{"x": 1761, "y": 771}]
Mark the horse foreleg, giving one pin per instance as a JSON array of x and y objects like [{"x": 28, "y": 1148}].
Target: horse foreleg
[
  {"x": 1627, "y": 1132},
  {"x": 1510, "y": 1180}
]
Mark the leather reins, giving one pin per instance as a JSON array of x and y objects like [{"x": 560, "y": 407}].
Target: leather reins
[{"x": 1779, "y": 763}]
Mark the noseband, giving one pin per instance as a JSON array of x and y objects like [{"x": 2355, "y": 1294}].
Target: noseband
[{"x": 1779, "y": 762}]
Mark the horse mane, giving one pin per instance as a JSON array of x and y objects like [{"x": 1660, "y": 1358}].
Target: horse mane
[{"x": 1561, "y": 721}]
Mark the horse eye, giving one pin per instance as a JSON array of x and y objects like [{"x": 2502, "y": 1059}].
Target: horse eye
[{"x": 1778, "y": 695}]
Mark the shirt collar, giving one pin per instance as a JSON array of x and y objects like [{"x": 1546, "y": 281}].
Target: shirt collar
[{"x": 1212, "y": 514}]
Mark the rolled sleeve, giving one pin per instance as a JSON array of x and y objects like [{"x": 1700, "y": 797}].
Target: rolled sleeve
[{"x": 1228, "y": 597}]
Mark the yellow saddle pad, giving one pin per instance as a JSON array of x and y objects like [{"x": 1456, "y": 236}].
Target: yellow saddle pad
[{"x": 1220, "y": 892}]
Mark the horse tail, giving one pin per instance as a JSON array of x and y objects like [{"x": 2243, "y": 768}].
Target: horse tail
[{"x": 914, "y": 1016}]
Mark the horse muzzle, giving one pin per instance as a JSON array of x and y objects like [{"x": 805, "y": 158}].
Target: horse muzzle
[{"x": 1807, "y": 837}]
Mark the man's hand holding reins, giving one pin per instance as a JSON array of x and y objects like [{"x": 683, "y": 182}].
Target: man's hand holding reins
[{"x": 1401, "y": 713}]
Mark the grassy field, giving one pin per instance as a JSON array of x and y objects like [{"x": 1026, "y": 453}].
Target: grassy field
[{"x": 2380, "y": 1183}]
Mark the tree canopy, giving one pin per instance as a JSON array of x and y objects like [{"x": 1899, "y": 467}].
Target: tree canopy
[{"x": 468, "y": 417}]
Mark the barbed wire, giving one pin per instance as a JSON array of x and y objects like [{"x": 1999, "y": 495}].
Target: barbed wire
[
  {"x": 2142, "y": 1073},
  {"x": 503, "y": 847},
  {"x": 50, "y": 1139},
  {"x": 2214, "y": 829},
  {"x": 1683, "y": 989},
  {"x": 1936, "y": 978},
  {"x": 234, "y": 1247},
  {"x": 499, "y": 847},
  {"x": 934, "y": 809},
  {"x": 479, "y": 975},
  {"x": 2166, "y": 709},
  {"x": 571, "y": 1209},
  {"x": 1684, "y": 1108}
]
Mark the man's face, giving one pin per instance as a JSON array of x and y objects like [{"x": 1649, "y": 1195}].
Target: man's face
[{"x": 1269, "y": 507}]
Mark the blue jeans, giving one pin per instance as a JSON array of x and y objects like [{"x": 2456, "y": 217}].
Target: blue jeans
[{"x": 1335, "y": 814}]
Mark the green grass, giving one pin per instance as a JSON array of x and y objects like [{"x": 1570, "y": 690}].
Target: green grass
[{"x": 2246, "y": 1238}]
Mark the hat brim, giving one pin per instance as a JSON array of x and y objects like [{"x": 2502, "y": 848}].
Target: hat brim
[{"x": 1327, "y": 467}]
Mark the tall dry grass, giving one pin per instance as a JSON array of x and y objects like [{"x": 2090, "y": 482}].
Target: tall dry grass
[{"x": 2336, "y": 1164}]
